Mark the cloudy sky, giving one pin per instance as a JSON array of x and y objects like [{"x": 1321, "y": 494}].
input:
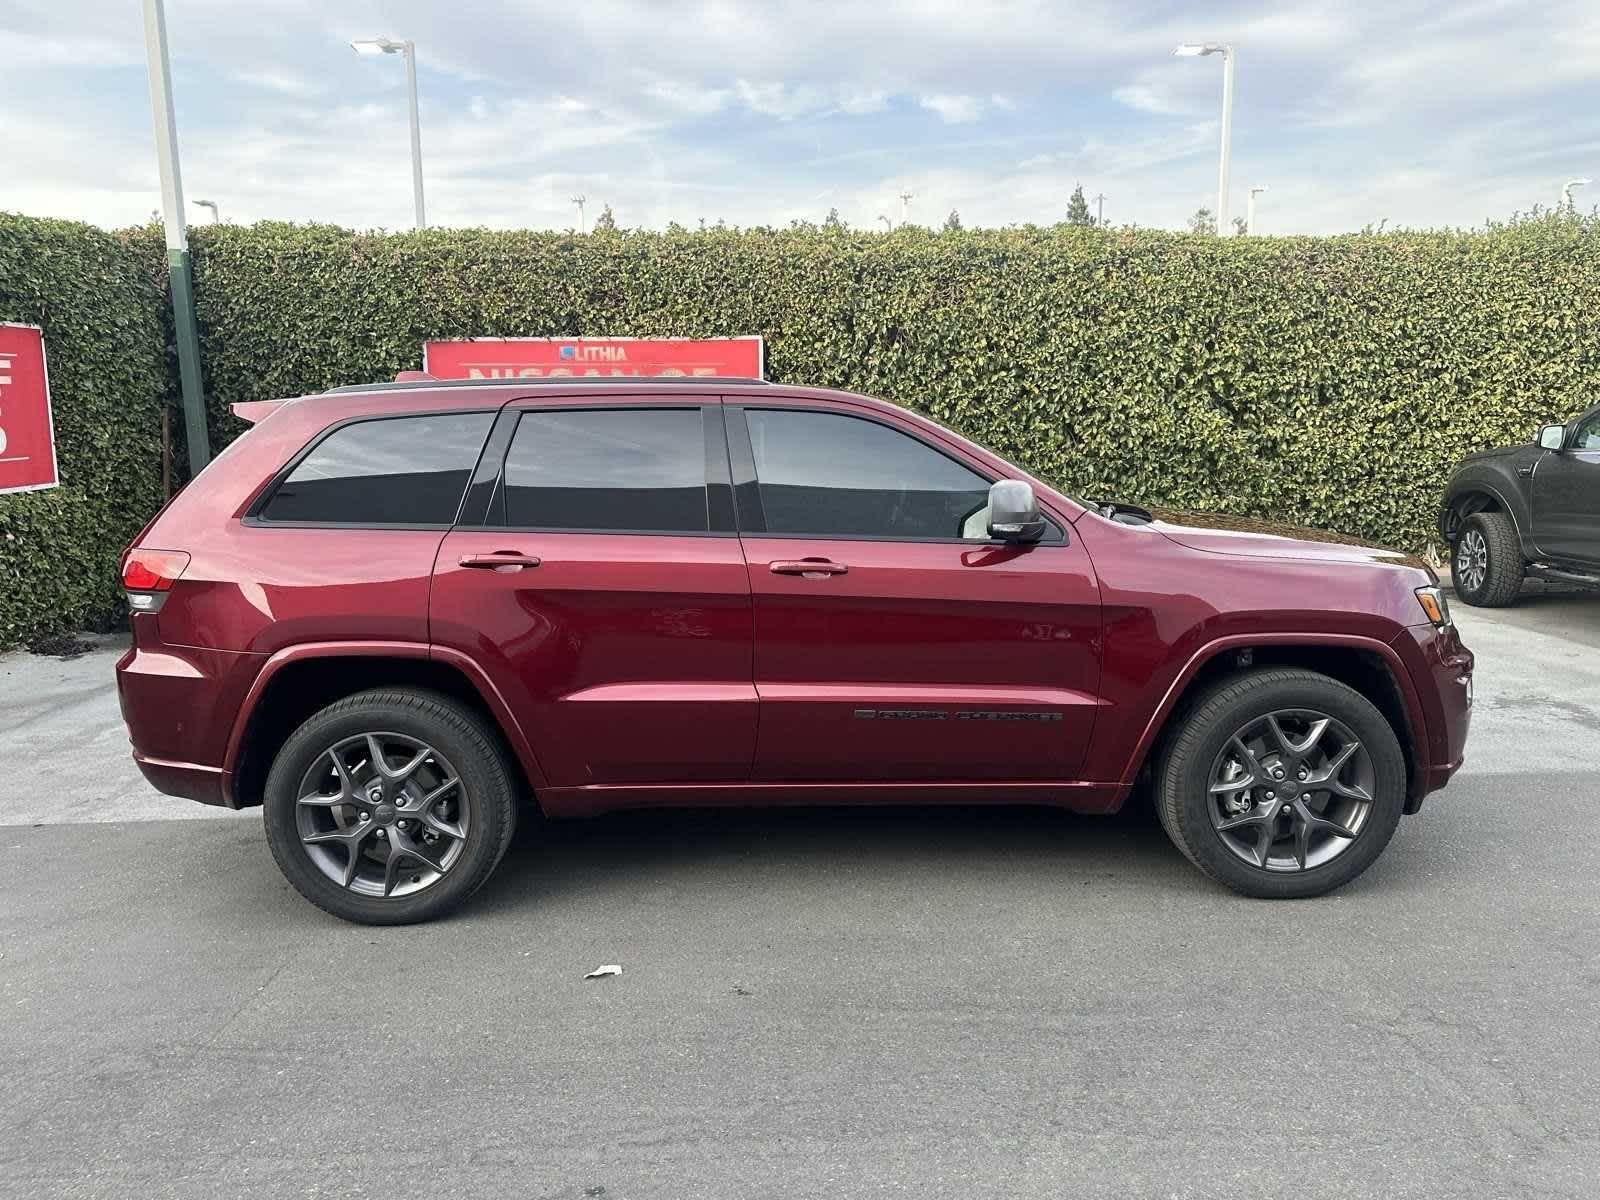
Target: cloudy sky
[{"x": 1421, "y": 112}]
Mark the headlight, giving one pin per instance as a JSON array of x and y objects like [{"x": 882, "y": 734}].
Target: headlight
[{"x": 1435, "y": 605}]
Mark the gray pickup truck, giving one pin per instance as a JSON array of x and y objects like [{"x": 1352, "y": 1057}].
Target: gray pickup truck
[{"x": 1523, "y": 511}]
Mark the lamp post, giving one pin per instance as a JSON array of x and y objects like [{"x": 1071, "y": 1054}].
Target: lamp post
[
  {"x": 1566, "y": 190},
  {"x": 185, "y": 328},
  {"x": 1198, "y": 50},
  {"x": 1250, "y": 211},
  {"x": 407, "y": 51},
  {"x": 1100, "y": 209},
  {"x": 579, "y": 201},
  {"x": 888, "y": 225},
  {"x": 905, "y": 206},
  {"x": 212, "y": 205}
]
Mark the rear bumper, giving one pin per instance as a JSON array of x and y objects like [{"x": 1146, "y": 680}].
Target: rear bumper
[
  {"x": 180, "y": 704},
  {"x": 191, "y": 781}
]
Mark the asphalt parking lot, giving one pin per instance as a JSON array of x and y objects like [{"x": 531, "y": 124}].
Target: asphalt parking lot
[{"x": 915, "y": 1002}]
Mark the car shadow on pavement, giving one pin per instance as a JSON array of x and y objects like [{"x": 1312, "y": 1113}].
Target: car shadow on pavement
[{"x": 571, "y": 857}]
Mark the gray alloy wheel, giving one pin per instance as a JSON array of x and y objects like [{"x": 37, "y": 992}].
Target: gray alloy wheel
[
  {"x": 390, "y": 806},
  {"x": 1280, "y": 782},
  {"x": 383, "y": 814},
  {"x": 1472, "y": 560},
  {"x": 1291, "y": 790}
]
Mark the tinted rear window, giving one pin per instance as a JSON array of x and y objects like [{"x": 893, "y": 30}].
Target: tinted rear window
[
  {"x": 608, "y": 470},
  {"x": 386, "y": 471}
]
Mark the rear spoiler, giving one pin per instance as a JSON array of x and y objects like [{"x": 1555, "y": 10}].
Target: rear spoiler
[{"x": 253, "y": 412}]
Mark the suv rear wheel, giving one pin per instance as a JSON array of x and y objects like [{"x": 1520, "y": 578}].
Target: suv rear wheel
[
  {"x": 1281, "y": 783},
  {"x": 1486, "y": 565},
  {"x": 389, "y": 807}
]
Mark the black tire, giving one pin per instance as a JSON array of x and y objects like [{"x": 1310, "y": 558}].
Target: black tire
[
  {"x": 473, "y": 749},
  {"x": 1502, "y": 569},
  {"x": 1207, "y": 725}
]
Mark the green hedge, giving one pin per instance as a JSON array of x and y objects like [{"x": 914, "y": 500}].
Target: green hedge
[
  {"x": 100, "y": 298},
  {"x": 1328, "y": 381}
]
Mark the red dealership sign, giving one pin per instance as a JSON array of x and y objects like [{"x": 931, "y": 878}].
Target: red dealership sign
[
  {"x": 27, "y": 437},
  {"x": 539, "y": 358}
]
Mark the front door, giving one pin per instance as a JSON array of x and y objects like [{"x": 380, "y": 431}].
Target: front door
[
  {"x": 1566, "y": 496},
  {"x": 894, "y": 639},
  {"x": 602, "y": 586}
]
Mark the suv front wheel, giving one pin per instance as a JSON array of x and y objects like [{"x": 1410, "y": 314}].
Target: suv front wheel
[
  {"x": 1486, "y": 564},
  {"x": 1281, "y": 783},
  {"x": 389, "y": 807}
]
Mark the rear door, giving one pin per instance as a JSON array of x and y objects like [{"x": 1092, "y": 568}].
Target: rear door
[
  {"x": 601, "y": 584},
  {"x": 1566, "y": 495},
  {"x": 894, "y": 639}
]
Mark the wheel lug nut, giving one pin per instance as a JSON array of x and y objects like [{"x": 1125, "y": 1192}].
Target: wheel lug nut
[{"x": 1271, "y": 795}]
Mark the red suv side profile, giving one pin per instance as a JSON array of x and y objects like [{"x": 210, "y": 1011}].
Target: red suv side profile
[{"x": 393, "y": 614}]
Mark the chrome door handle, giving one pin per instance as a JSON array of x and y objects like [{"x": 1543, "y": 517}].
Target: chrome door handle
[
  {"x": 808, "y": 568},
  {"x": 500, "y": 560}
]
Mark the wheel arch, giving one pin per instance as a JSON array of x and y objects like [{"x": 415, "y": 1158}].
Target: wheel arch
[
  {"x": 1475, "y": 495},
  {"x": 1365, "y": 664},
  {"x": 299, "y": 680}
]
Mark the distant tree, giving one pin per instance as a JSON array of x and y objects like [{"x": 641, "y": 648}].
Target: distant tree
[
  {"x": 1203, "y": 221},
  {"x": 1078, "y": 208},
  {"x": 606, "y": 222},
  {"x": 952, "y": 223},
  {"x": 833, "y": 220},
  {"x": 1238, "y": 227}
]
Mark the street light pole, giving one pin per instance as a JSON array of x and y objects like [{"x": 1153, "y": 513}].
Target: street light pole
[
  {"x": 1196, "y": 50},
  {"x": 578, "y": 200},
  {"x": 1100, "y": 209},
  {"x": 1566, "y": 190},
  {"x": 905, "y": 206},
  {"x": 216, "y": 216},
  {"x": 1250, "y": 211},
  {"x": 185, "y": 329},
  {"x": 408, "y": 51}
]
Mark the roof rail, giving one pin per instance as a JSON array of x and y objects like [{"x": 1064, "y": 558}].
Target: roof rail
[{"x": 549, "y": 380}]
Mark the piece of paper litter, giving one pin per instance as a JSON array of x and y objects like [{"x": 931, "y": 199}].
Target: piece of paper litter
[{"x": 602, "y": 972}]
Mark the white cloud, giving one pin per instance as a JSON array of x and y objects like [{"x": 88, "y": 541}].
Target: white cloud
[
  {"x": 953, "y": 109},
  {"x": 687, "y": 97}
]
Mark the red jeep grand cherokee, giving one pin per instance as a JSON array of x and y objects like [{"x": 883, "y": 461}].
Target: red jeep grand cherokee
[{"x": 390, "y": 613}]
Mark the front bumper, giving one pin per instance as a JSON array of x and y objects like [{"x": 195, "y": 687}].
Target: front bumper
[{"x": 1441, "y": 671}]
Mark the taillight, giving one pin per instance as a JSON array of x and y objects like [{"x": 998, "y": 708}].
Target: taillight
[{"x": 147, "y": 575}]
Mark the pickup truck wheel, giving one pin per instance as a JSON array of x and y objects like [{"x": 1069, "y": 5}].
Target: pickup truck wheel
[
  {"x": 1281, "y": 783},
  {"x": 389, "y": 807},
  {"x": 1486, "y": 565}
]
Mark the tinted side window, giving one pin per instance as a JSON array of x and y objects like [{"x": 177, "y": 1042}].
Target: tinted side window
[
  {"x": 1588, "y": 435},
  {"x": 386, "y": 471},
  {"x": 833, "y": 475},
  {"x": 608, "y": 469}
]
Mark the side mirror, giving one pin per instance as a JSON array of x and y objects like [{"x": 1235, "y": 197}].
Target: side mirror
[
  {"x": 1014, "y": 512},
  {"x": 1552, "y": 437}
]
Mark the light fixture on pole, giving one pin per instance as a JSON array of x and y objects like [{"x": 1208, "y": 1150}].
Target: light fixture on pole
[
  {"x": 1197, "y": 50},
  {"x": 1250, "y": 211},
  {"x": 216, "y": 216},
  {"x": 1566, "y": 190},
  {"x": 186, "y": 330},
  {"x": 905, "y": 206},
  {"x": 888, "y": 225},
  {"x": 579, "y": 201},
  {"x": 407, "y": 51}
]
